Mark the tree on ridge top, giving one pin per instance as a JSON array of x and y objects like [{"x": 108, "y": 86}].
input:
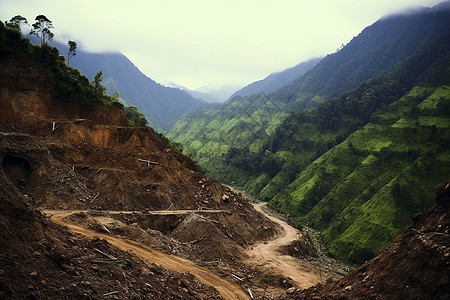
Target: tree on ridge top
[
  {"x": 16, "y": 22},
  {"x": 42, "y": 28},
  {"x": 72, "y": 51}
]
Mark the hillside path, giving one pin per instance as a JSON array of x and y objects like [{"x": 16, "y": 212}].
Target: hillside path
[
  {"x": 302, "y": 274},
  {"x": 227, "y": 288}
]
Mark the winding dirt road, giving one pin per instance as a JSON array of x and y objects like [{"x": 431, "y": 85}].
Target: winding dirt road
[
  {"x": 226, "y": 288},
  {"x": 302, "y": 274}
]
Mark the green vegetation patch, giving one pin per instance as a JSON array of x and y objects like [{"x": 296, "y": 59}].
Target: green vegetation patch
[
  {"x": 405, "y": 123},
  {"x": 439, "y": 94},
  {"x": 442, "y": 122},
  {"x": 370, "y": 159}
]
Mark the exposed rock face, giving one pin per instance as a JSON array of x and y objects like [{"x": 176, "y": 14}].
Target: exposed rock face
[{"x": 415, "y": 266}]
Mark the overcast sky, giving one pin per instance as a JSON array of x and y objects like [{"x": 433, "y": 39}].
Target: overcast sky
[{"x": 209, "y": 42}]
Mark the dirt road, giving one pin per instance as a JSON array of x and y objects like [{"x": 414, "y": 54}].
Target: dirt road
[
  {"x": 226, "y": 288},
  {"x": 302, "y": 274},
  {"x": 129, "y": 212}
]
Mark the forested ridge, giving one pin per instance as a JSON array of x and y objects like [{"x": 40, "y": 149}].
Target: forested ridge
[{"x": 353, "y": 147}]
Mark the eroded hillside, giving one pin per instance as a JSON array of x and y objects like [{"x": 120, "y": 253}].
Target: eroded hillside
[{"x": 73, "y": 156}]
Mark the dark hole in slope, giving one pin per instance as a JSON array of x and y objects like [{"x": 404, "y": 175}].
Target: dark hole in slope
[
  {"x": 163, "y": 223},
  {"x": 16, "y": 168}
]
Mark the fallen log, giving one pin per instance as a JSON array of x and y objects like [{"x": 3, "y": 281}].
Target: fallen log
[{"x": 207, "y": 219}]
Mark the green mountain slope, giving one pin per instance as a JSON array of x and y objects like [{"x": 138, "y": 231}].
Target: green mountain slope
[
  {"x": 375, "y": 50},
  {"x": 330, "y": 172},
  {"x": 276, "y": 80},
  {"x": 362, "y": 192}
]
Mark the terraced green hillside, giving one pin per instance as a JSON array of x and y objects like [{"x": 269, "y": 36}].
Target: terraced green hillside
[{"x": 362, "y": 192}]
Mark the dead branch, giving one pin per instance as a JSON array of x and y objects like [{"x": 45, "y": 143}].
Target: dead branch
[
  {"x": 207, "y": 219},
  {"x": 237, "y": 277},
  {"x": 196, "y": 241},
  {"x": 105, "y": 254},
  {"x": 250, "y": 293},
  {"x": 94, "y": 198},
  {"x": 111, "y": 293},
  {"x": 149, "y": 162},
  {"x": 106, "y": 229},
  {"x": 211, "y": 262}
]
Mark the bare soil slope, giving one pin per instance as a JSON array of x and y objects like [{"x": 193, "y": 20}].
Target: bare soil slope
[
  {"x": 62, "y": 154},
  {"x": 226, "y": 288},
  {"x": 58, "y": 153},
  {"x": 41, "y": 260}
]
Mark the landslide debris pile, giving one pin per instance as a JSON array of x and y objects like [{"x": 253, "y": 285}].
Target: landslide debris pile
[
  {"x": 415, "y": 266},
  {"x": 61, "y": 149},
  {"x": 40, "y": 260}
]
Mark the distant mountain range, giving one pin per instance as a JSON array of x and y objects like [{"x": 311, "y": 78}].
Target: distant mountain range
[
  {"x": 276, "y": 80},
  {"x": 208, "y": 94},
  {"x": 161, "y": 105}
]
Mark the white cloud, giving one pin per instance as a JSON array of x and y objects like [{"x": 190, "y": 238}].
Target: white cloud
[{"x": 209, "y": 42}]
